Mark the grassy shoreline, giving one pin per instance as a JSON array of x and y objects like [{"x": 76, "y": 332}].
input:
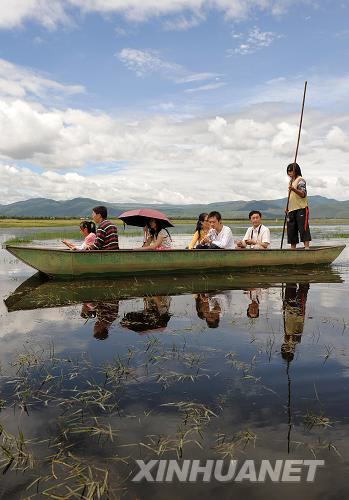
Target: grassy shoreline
[{"x": 23, "y": 223}]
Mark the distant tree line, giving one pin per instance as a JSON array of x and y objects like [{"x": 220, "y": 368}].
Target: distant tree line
[{"x": 37, "y": 217}]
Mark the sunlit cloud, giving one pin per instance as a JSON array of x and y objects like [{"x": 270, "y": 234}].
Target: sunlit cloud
[
  {"x": 20, "y": 82},
  {"x": 186, "y": 13},
  {"x": 158, "y": 160}
]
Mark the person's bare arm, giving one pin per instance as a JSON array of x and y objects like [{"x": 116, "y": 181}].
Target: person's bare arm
[
  {"x": 69, "y": 244},
  {"x": 300, "y": 193},
  {"x": 240, "y": 244}
]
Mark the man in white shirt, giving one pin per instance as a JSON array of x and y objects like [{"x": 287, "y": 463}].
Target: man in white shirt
[
  {"x": 258, "y": 236},
  {"x": 219, "y": 236}
]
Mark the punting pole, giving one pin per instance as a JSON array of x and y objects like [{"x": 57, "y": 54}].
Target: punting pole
[{"x": 295, "y": 161}]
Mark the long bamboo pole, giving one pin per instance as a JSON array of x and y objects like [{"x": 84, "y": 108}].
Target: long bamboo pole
[{"x": 294, "y": 162}]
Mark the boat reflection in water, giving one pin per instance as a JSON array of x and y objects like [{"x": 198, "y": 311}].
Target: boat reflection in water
[
  {"x": 37, "y": 293},
  {"x": 100, "y": 299}
]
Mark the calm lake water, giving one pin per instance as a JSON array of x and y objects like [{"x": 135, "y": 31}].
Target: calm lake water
[{"x": 247, "y": 366}]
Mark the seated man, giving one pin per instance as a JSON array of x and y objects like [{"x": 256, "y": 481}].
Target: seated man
[
  {"x": 219, "y": 236},
  {"x": 107, "y": 233},
  {"x": 258, "y": 236}
]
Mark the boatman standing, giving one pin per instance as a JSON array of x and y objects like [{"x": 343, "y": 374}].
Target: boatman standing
[
  {"x": 257, "y": 237},
  {"x": 298, "y": 210}
]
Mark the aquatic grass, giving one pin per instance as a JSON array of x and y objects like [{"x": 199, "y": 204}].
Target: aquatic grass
[
  {"x": 120, "y": 371},
  {"x": 95, "y": 429},
  {"x": 232, "y": 360},
  {"x": 317, "y": 447},
  {"x": 98, "y": 409},
  {"x": 170, "y": 378},
  {"x": 58, "y": 235},
  {"x": 32, "y": 222},
  {"x": 334, "y": 235},
  {"x": 317, "y": 418},
  {"x": 73, "y": 478},
  {"x": 328, "y": 351},
  {"x": 14, "y": 452},
  {"x": 230, "y": 446},
  {"x": 311, "y": 420},
  {"x": 56, "y": 222},
  {"x": 194, "y": 414},
  {"x": 159, "y": 445},
  {"x": 43, "y": 236}
]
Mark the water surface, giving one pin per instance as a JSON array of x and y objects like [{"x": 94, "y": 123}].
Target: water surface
[{"x": 97, "y": 374}]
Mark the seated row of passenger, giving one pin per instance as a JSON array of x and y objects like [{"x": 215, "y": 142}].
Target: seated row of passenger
[{"x": 210, "y": 233}]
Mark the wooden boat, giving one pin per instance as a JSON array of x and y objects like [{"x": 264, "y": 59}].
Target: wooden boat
[
  {"x": 39, "y": 292},
  {"x": 62, "y": 263}
]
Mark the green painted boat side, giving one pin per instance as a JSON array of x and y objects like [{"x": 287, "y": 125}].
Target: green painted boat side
[
  {"x": 38, "y": 293},
  {"x": 61, "y": 263}
]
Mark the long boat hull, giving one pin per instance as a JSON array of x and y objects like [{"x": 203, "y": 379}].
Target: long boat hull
[
  {"x": 61, "y": 263},
  {"x": 38, "y": 292}
]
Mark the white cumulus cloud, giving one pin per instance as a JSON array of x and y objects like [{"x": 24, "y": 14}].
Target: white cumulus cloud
[
  {"x": 20, "y": 82},
  {"x": 186, "y": 13},
  {"x": 48, "y": 13},
  {"x": 155, "y": 159},
  {"x": 337, "y": 138}
]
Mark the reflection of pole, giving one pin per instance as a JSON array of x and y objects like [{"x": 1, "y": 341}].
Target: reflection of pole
[{"x": 289, "y": 412}]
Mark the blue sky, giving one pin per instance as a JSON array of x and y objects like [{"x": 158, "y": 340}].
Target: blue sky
[{"x": 176, "y": 101}]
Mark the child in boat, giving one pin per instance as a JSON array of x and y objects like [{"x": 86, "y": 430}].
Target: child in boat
[
  {"x": 88, "y": 230},
  {"x": 202, "y": 228}
]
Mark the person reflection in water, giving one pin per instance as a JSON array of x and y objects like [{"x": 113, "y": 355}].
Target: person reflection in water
[
  {"x": 294, "y": 315},
  {"x": 208, "y": 309},
  {"x": 253, "y": 307},
  {"x": 105, "y": 314},
  {"x": 154, "y": 317}
]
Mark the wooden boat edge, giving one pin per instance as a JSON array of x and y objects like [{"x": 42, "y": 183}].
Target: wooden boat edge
[{"x": 161, "y": 262}]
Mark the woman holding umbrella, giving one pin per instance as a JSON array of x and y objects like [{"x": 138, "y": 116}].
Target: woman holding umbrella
[
  {"x": 154, "y": 223},
  {"x": 159, "y": 238}
]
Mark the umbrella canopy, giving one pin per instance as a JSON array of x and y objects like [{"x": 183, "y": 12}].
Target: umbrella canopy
[
  {"x": 140, "y": 217},
  {"x": 143, "y": 321}
]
